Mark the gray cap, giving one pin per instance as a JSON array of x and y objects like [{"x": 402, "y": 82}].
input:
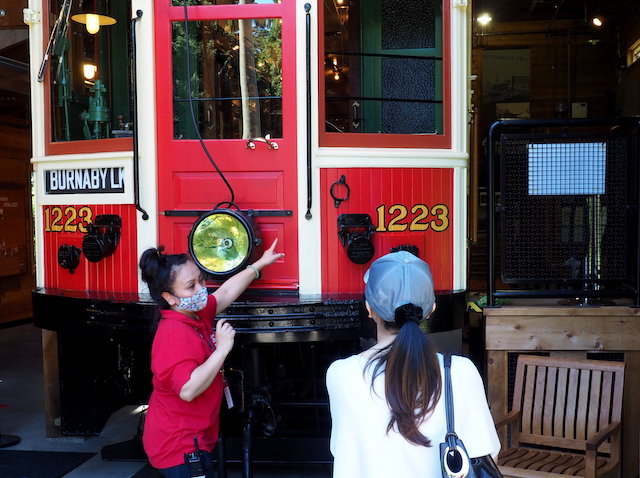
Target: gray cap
[{"x": 397, "y": 279}]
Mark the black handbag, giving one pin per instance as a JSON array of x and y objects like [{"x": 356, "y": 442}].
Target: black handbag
[{"x": 454, "y": 458}]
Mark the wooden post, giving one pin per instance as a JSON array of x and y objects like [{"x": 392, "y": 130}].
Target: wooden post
[
  {"x": 51, "y": 382},
  {"x": 497, "y": 390}
]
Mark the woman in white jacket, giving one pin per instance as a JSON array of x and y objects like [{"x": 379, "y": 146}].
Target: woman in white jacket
[{"x": 387, "y": 411}]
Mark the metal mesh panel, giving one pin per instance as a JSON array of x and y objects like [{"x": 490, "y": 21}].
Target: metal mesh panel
[{"x": 566, "y": 207}]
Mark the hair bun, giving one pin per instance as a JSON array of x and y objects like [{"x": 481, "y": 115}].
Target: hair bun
[{"x": 408, "y": 313}]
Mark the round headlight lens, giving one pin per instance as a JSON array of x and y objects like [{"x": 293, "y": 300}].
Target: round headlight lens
[{"x": 223, "y": 241}]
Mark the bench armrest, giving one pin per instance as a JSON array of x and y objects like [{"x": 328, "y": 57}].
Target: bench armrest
[
  {"x": 510, "y": 417},
  {"x": 596, "y": 440}
]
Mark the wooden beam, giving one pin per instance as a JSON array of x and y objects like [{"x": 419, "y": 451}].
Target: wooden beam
[
  {"x": 497, "y": 391},
  {"x": 631, "y": 414},
  {"x": 558, "y": 328},
  {"x": 51, "y": 373}
]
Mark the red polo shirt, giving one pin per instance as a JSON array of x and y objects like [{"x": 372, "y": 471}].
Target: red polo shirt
[{"x": 180, "y": 345}]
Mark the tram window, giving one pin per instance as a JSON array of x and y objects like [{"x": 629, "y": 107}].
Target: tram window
[
  {"x": 89, "y": 70},
  {"x": 383, "y": 67},
  {"x": 236, "y": 79},
  {"x": 179, "y": 3}
]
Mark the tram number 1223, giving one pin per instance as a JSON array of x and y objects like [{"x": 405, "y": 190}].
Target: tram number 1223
[
  {"x": 67, "y": 219},
  {"x": 396, "y": 218}
]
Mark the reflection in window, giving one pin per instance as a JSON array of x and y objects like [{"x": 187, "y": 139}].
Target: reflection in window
[
  {"x": 634, "y": 53},
  {"x": 89, "y": 73},
  {"x": 383, "y": 66},
  {"x": 236, "y": 79}
]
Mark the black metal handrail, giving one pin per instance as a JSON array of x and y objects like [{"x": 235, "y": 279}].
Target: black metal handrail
[
  {"x": 134, "y": 101},
  {"x": 307, "y": 8}
]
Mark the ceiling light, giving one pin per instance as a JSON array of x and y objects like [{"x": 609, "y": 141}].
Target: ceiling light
[
  {"x": 484, "y": 19},
  {"x": 93, "y": 21},
  {"x": 597, "y": 21}
]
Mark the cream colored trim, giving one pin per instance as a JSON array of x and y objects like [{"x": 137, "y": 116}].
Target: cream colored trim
[
  {"x": 460, "y": 228},
  {"x": 460, "y": 42},
  {"x": 101, "y": 160},
  {"x": 309, "y": 233},
  {"x": 390, "y": 158},
  {"x": 147, "y": 129},
  {"x": 36, "y": 52}
]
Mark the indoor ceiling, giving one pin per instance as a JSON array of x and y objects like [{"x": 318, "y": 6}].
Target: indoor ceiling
[{"x": 550, "y": 10}]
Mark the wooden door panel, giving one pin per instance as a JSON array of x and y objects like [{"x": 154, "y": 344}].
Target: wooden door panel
[
  {"x": 262, "y": 178},
  {"x": 253, "y": 189}
]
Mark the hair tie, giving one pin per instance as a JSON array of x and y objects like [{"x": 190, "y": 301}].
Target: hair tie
[{"x": 408, "y": 313}]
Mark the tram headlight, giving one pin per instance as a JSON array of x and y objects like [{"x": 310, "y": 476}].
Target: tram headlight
[
  {"x": 355, "y": 232},
  {"x": 102, "y": 237},
  {"x": 69, "y": 257},
  {"x": 224, "y": 241}
]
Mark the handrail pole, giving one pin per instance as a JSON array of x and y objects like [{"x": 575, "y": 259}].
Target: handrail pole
[
  {"x": 307, "y": 8},
  {"x": 134, "y": 101}
]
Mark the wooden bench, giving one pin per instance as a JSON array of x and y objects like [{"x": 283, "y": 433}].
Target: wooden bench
[{"x": 565, "y": 418}]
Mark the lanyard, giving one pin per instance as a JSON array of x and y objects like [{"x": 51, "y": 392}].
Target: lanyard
[
  {"x": 227, "y": 392},
  {"x": 211, "y": 346}
]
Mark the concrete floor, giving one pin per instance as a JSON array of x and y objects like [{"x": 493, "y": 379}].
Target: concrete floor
[{"x": 21, "y": 388}]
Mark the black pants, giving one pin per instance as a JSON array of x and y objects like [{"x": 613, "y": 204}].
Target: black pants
[{"x": 182, "y": 471}]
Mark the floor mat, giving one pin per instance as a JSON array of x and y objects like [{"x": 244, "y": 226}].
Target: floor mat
[{"x": 39, "y": 464}]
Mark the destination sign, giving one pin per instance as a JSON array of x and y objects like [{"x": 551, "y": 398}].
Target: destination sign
[{"x": 84, "y": 180}]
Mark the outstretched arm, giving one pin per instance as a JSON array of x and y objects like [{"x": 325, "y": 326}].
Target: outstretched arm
[{"x": 231, "y": 289}]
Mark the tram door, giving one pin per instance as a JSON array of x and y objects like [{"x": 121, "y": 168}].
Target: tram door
[{"x": 236, "y": 114}]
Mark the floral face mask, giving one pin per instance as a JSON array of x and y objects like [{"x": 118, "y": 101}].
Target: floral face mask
[{"x": 196, "y": 302}]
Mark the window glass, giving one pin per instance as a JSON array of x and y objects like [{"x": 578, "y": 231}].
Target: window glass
[
  {"x": 236, "y": 79},
  {"x": 88, "y": 69},
  {"x": 383, "y": 66}
]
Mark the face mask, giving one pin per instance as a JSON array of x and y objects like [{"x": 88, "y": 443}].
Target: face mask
[{"x": 196, "y": 302}]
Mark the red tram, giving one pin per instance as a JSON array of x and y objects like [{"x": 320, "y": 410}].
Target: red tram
[{"x": 339, "y": 127}]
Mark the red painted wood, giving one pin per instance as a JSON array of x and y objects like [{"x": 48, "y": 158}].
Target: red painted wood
[
  {"x": 371, "y": 188},
  {"x": 372, "y": 140},
  {"x": 261, "y": 178},
  {"x": 115, "y": 273}
]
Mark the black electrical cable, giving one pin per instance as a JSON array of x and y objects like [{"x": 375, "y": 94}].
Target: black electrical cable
[{"x": 193, "y": 114}]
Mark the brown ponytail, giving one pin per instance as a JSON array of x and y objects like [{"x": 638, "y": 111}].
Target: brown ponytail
[{"x": 412, "y": 375}]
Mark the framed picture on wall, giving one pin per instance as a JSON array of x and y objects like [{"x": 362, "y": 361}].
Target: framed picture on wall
[
  {"x": 518, "y": 109},
  {"x": 506, "y": 75}
]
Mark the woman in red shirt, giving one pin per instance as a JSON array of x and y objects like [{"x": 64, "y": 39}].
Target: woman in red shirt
[{"x": 187, "y": 357}]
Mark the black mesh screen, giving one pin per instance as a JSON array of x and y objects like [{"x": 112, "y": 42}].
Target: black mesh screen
[{"x": 568, "y": 207}]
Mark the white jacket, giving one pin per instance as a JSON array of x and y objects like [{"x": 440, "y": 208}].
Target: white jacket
[{"x": 360, "y": 443}]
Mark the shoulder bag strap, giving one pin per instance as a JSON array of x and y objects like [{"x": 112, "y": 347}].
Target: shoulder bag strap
[{"x": 448, "y": 400}]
